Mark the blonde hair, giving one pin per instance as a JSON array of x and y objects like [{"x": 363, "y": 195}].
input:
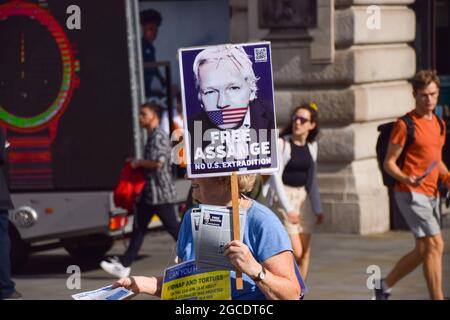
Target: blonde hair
[{"x": 245, "y": 182}]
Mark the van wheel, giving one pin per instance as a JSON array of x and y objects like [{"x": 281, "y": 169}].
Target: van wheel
[
  {"x": 20, "y": 250},
  {"x": 89, "y": 248}
]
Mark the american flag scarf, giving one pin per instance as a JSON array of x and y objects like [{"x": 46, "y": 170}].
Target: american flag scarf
[{"x": 228, "y": 116}]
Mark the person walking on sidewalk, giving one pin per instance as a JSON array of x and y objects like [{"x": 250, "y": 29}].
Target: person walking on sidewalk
[
  {"x": 416, "y": 194},
  {"x": 158, "y": 195},
  {"x": 294, "y": 192},
  {"x": 7, "y": 286}
]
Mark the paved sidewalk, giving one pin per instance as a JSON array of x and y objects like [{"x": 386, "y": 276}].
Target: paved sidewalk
[
  {"x": 339, "y": 264},
  {"x": 338, "y": 267}
]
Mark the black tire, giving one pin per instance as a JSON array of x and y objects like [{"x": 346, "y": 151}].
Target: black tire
[
  {"x": 20, "y": 250},
  {"x": 89, "y": 248}
]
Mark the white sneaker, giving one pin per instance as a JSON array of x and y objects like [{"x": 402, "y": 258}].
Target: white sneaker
[{"x": 115, "y": 268}]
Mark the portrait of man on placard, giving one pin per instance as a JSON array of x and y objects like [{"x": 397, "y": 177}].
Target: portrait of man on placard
[{"x": 229, "y": 108}]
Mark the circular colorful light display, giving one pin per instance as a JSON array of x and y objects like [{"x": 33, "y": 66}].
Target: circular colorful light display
[{"x": 69, "y": 68}]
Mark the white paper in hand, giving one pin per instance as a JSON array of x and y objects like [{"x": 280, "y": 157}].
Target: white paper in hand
[
  {"x": 215, "y": 231},
  {"x": 195, "y": 223},
  {"x": 429, "y": 169},
  {"x": 105, "y": 293}
]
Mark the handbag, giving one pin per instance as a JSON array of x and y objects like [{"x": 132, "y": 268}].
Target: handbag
[{"x": 130, "y": 185}]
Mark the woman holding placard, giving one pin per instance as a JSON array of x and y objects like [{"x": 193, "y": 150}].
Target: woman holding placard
[{"x": 264, "y": 255}]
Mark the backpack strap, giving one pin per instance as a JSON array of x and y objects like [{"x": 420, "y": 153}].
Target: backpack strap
[
  {"x": 441, "y": 125},
  {"x": 409, "y": 130}
]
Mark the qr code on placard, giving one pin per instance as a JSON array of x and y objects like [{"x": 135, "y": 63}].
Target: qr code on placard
[{"x": 260, "y": 54}]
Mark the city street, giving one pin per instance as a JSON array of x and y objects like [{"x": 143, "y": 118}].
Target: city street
[
  {"x": 338, "y": 111},
  {"x": 338, "y": 268}
]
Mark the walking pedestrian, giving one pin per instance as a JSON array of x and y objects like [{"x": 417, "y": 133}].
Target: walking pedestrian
[
  {"x": 158, "y": 195},
  {"x": 7, "y": 286},
  {"x": 415, "y": 192},
  {"x": 293, "y": 191}
]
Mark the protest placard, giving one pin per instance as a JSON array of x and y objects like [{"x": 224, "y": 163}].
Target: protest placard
[
  {"x": 228, "y": 106},
  {"x": 183, "y": 282}
]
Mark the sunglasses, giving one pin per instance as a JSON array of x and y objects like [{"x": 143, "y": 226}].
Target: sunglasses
[{"x": 303, "y": 120}]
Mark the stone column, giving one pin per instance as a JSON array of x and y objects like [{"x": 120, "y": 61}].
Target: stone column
[{"x": 358, "y": 83}]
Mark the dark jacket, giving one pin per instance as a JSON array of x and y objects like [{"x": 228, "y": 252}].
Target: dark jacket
[{"x": 5, "y": 199}]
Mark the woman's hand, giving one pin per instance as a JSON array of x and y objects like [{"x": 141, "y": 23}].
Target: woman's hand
[
  {"x": 138, "y": 285},
  {"x": 319, "y": 219},
  {"x": 241, "y": 257},
  {"x": 293, "y": 217}
]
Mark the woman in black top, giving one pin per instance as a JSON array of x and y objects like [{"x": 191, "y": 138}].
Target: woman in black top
[{"x": 294, "y": 192}]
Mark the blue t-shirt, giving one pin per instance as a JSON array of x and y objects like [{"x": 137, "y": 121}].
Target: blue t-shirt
[{"x": 264, "y": 235}]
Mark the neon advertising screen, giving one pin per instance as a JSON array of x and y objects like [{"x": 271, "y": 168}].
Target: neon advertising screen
[{"x": 65, "y": 100}]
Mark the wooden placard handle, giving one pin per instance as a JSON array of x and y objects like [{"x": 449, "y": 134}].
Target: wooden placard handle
[{"x": 236, "y": 224}]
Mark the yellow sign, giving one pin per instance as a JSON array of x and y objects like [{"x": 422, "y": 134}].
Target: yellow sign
[{"x": 203, "y": 286}]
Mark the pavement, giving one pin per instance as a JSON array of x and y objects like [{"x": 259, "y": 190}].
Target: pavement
[
  {"x": 339, "y": 266},
  {"x": 338, "y": 269}
]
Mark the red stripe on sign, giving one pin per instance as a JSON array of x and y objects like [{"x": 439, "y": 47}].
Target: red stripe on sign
[
  {"x": 233, "y": 119},
  {"x": 235, "y": 110},
  {"x": 241, "y": 115},
  {"x": 234, "y": 116}
]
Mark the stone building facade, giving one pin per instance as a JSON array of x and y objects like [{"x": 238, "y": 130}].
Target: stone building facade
[{"x": 358, "y": 76}]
